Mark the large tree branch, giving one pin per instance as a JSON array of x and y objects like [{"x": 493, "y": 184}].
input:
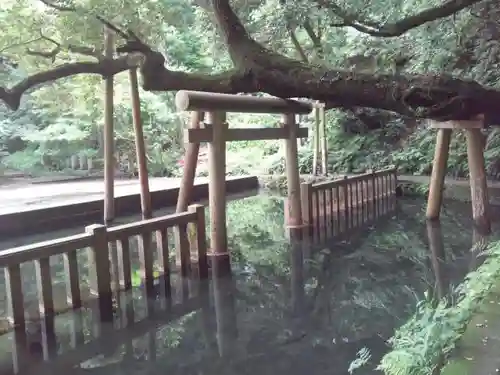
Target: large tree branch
[
  {"x": 257, "y": 69},
  {"x": 296, "y": 44},
  {"x": 12, "y": 96},
  {"x": 437, "y": 97},
  {"x": 58, "y": 47},
  {"x": 400, "y": 27}
]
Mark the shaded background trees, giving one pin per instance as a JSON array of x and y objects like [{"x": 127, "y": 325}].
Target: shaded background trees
[{"x": 65, "y": 118}]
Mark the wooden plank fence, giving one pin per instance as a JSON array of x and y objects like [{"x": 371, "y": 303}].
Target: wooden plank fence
[
  {"x": 331, "y": 208},
  {"x": 104, "y": 256}
]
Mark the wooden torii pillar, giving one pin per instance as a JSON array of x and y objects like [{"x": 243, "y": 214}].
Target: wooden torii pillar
[
  {"x": 216, "y": 132},
  {"x": 477, "y": 172}
]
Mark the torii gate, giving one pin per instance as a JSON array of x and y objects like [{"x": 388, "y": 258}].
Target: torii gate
[
  {"x": 216, "y": 132},
  {"x": 477, "y": 172}
]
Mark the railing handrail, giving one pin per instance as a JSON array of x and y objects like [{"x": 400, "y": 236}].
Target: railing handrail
[
  {"x": 348, "y": 179},
  {"x": 44, "y": 249},
  {"x": 48, "y": 248},
  {"x": 154, "y": 224}
]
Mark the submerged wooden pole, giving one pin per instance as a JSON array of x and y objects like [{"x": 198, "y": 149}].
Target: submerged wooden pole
[
  {"x": 436, "y": 185},
  {"x": 217, "y": 193},
  {"x": 478, "y": 183},
  {"x": 140, "y": 147},
  {"x": 109, "y": 142},
  {"x": 190, "y": 162}
]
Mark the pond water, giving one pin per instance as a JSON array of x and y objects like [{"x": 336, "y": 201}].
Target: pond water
[{"x": 287, "y": 308}]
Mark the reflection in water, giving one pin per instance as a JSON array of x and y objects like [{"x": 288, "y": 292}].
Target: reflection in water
[
  {"x": 438, "y": 257},
  {"x": 225, "y": 314},
  {"x": 287, "y": 309},
  {"x": 297, "y": 278}
]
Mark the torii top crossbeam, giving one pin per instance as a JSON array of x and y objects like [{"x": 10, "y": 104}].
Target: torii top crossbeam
[{"x": 209, "y": 102}]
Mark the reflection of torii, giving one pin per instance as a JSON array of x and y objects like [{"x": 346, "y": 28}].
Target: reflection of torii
[{"x": 438, "y": 257}]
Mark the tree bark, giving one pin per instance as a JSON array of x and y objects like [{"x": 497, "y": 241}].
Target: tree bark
[{"x": 257, "y": 69}]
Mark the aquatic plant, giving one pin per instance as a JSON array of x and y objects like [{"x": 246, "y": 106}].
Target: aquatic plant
[{"x": 419, "y": 346}]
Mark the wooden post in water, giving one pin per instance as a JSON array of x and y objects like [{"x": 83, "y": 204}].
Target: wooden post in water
[
  {"x": 190, "y": 162},
  {"x": 217, "y": 193},
  {"x": 436, "y": 185},
  {"x": 292, "y": 174},
  {"x": 187, "y": 182},
  {"x": 109, "y": 141},
  {"x": 140, "y": 147},
  {"x": 477, "y": 173},
  {"x": 478, "y": 184}
]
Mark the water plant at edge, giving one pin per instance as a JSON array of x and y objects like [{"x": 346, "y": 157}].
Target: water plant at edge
[{"x": 419, "y": 346}]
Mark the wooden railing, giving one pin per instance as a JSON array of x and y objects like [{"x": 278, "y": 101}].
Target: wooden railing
[
  {"x": 106, "y": 261},
  {"x": 331, "y": 208}
]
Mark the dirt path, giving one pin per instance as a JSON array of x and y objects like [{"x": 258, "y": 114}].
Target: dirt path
[
  {"x": 22, "y": 197},
  {"x": 448, "y": 181},
  {"x": 478, "y": 349}
]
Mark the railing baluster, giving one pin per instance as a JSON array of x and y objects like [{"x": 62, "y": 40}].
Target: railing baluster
[
  {"x": 124, "y": 265},
  {"x": 356, "y": 188},
  {"x": 163, "y": 258},
  {"x": 307, "y": 207},
  {"x": 184, "y": 250},
  {"x": 100, "y": 270},
  {"x": 337, "y": 203},
  {"x": 115, "y": 266},
  {"x": 316, "y": 215},
  {"x": 373, "y": 197},
  {"x": 44, "y": 285},
  {"x": 331, "y": 211},
  {"x": 382, "y": 194},
  {"x": 324, "y": 211},
  {"x": 380, "y": 187},
  {"x": 146, "y": 261},
  {"x": 388, "y": 192},
  {"x": 363, "y": 199},
  {"x": 346, "y": 204},
  {"x": 201, "y": 239},
  {"x": 351, "y": 204},
  {"x": 15, "y": 296},
  {"x": 72, "y": 279}
]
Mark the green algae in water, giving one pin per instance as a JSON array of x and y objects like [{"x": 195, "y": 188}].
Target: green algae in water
[{"x": 419, "y": 345}]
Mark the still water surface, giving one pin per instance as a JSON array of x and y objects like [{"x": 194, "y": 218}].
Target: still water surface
[{"x": 286, "y": 310}]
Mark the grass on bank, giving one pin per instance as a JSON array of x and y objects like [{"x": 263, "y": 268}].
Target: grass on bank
[{"x": 419, "y": 346}]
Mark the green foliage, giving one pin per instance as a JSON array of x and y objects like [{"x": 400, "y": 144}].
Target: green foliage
[
  {"x": 186, "y": 34},
  {"x": 433, "y": 331}
]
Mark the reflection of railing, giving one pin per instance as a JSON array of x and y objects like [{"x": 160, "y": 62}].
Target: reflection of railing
[
  {"x": 333, "y": 207},
  {"x": 105, "y": 272}
]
